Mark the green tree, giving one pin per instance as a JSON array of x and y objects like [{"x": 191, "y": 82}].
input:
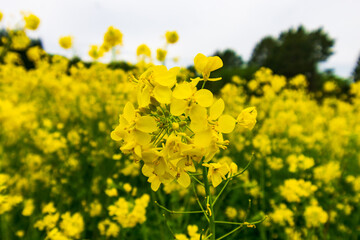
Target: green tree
[
  {"x": 230, "y": 58},
  {"x": 356, "y": 72},
  {"x": 296, "y": 51}
]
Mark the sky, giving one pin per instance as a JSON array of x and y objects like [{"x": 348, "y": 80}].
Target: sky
[{"x": 204, "y": 26}]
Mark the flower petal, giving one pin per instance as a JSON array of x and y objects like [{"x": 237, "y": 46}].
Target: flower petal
[
  {"x": 204, "y": 97},
  {"x": 162, "y": 94},
  {"x": 226, "y": 124},
  {"x": 146, "y": 124},
  {"x": 217, "y": 109}
]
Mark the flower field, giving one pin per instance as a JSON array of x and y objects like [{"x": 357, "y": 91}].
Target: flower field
[{"x": 89, "y": 151}]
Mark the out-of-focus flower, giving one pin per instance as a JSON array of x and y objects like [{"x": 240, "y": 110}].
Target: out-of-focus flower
[
  {"x": 31, "y": 21},
  {"x": 66, "y": 42},
  {"x": 171, "y": 37}
]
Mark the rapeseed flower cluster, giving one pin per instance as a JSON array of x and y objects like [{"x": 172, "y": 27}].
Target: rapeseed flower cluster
[{"x": 176, "y": 125}]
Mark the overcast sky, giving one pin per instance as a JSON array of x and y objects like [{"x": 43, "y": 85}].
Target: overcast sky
[{"x": 203, "y": 26}]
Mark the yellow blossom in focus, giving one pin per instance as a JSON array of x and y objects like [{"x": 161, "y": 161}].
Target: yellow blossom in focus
[
  {"x": 206, "y": 65},
  {"x": 217, "y": 172}
]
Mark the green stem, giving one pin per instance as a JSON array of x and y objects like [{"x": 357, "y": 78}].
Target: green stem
[
  {"x": 197, "y": 180},
  {"x": 229, "y": 233},
  {"x": 198, "y": 201},
  {"x": 239, "y": 227},
  {"x": 203, "y": 85},
  {"x": 158, "y": 217},
  {"x": 246, "y": 167},
  {"x": 232, "y": 223},
  {"x": 209, "y": 201},
  {"x": 157, "y": 136},
  {"x": 168, "y": 226},
  {"x": 262, "y": 199},
  {"x": 113, "y": 54},
  {"x": 217, "y": 197},
  {"x": 176, "y": 212},
  {"x": 194, "y": 174},
  {"x": 208, "y": 236}
]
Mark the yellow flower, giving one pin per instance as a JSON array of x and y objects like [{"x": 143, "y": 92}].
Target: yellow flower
[
  {"x": 31, "y": 21},
  {"x": 282, "y": 215},
  {"x": 161, "y": 54},
  {"x": 95, "y": 208},
  {"x": 65, "y": 42},
  {"x": 113, "y": 37},
  {"x": 247, "y": 118},
  {"x": 35, "y": 53},
  {"x": 72, "y": 225},
  {"x": 226, "y": 123},
  {"x": 231, "y": 212},
  {"x": 49, "y": 208},
  {"x": 171, "y": 37},
  {"x": 216, "y": 172},
  {"x": 108, "y": 228},
  {"x": 329, "y": 86},
  {"x": 315, "y": 216},
  {"x": 19, "y": 40},
  {"x": 1, "y": 16},
  {"x": 205, "y": 65},
  {"x": 28, "y": 207},
  {"x": 192, "y": 230},
  {"x": 95, "y": 52},
  {"x": 143, "y": 49},
  {"x": 127, "y": 187},
  {"x": 164, "y": 77},
  {"x": 19, "y": 233},
  {"x": 112, "y": 192},
  {"x": 105, "y": 47},
  {"x": 180, "y": 236}
]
